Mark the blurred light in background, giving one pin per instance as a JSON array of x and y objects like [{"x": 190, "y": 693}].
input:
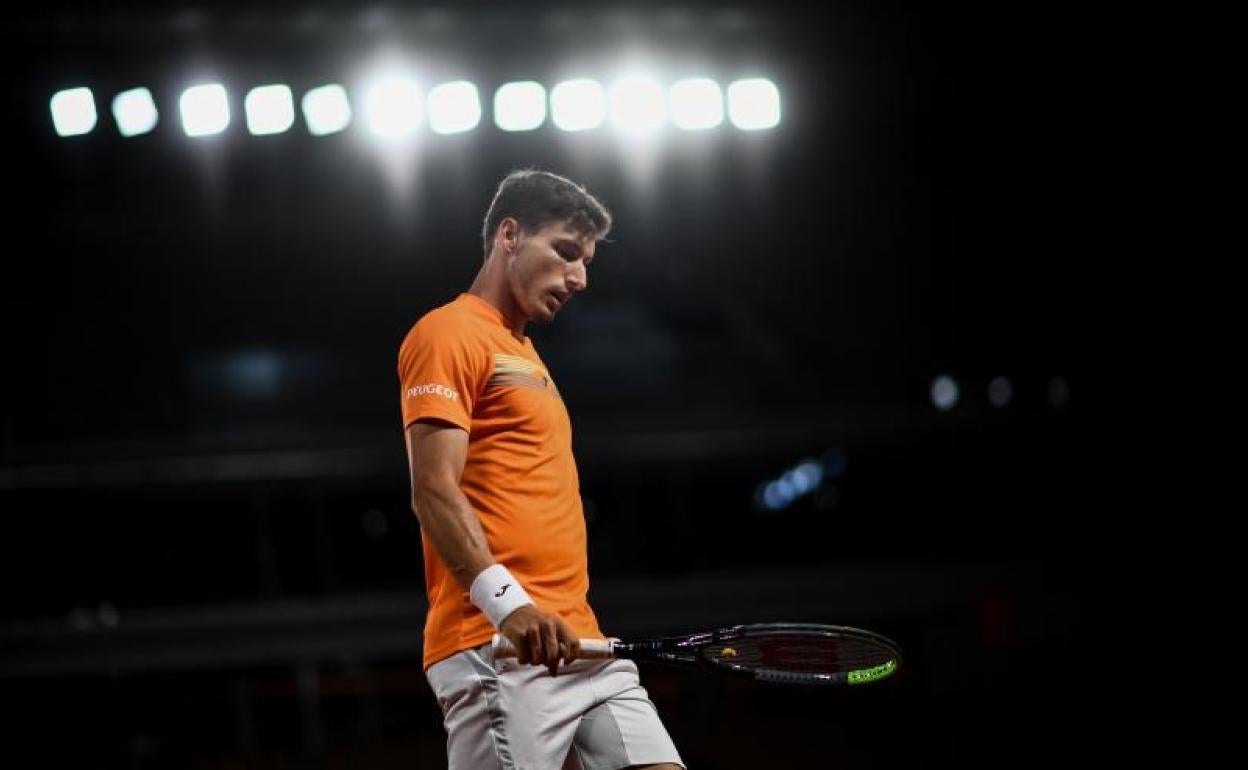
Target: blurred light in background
[
  {"x": 73, "y": 111},
  {"x": 135, "y": 112},
  {"x": 107, "y": 615},
  {"x": 578, "y": 105},
  {"x": 944, "y": 392},
  {"x": 241, "y": 375},
  {"x": 1059, "y": 392},
  {"x": 393, "y": 107},
  {"x": 205, "y": 110},
  {"x": 1000, "y": 391},
  {"x": 80, "y": 619},
  {"x": 754, "y": 104},
  {"x": 252, "y": 375},
  {"x": 805, "y": 478},
  {"x": 269, "y": 109},
  {"x": 454, "y": 108},
  {"x": 520, "y": 106},
  {"x": 638, "y": 105},
  {"x": 696, "y": 104},
  {"x": 326, "y": 110}
]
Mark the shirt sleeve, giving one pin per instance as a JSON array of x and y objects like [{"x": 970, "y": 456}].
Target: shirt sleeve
[{"x": 438, "y": 374}]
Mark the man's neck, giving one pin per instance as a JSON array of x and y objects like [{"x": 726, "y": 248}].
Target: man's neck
[{"x": 491, "y": 286}]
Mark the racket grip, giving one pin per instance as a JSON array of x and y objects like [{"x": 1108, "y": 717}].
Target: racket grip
[{"x": 590, "y": 648}]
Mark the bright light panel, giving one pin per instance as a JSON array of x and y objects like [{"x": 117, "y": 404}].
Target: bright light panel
[
  {"x": 454, "y": 108},
  {"x": 393, "y": 107},
  {"x": 205, "y": 110},
  {"x": 754, "y": 104},
  {"x": 578, "y": 105},
  {"x": 696, "y": 104},
  {"x": 638, "y": 104},
  {"x": 520, "y": 106},
  {"x": 326, "y": 110},
  {"x": 73, "y": 111},
  {"x": 135, "y": 112},
  {"x": 270, "y": 109}
]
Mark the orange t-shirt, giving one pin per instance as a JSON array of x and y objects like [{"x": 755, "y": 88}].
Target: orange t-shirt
[{"x": 461, "y": 364}]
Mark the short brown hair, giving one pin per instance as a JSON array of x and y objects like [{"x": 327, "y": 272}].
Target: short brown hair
[{"x": 536, "y": 198}]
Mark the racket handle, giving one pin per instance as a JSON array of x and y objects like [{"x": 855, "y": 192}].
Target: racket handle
[{"x": 590, "y": 648}]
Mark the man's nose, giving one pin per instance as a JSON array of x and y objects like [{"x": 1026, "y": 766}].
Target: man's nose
[{"x": 578, "y": 276}]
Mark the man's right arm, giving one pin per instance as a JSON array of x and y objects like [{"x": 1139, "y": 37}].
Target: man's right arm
[{"x": 437, "y": 453}]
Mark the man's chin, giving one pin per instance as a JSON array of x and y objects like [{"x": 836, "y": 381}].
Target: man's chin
[{"x": 543, "y": 314}]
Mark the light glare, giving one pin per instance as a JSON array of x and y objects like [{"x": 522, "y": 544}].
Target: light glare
[
  {"x": 637, "y": 105},
  {"x": 326, "y": 110},
  {"x": 205, "y": 110},
  {"x": 393, "y": 107},
  {"x": 520, "y": 106},
  {"x": 269, "y": 109},
  {"x": 754, "y": 104},
  {"x": 696, "y": 104},
  {"x": 454, "y": 108},
  {"x": 135, "y": 112},
  {"x": 73, "y": 111},
  {"x": 578, "y": 105}
]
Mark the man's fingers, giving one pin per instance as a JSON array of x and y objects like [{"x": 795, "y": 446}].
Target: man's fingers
[
  {"x": 534, "y": 637},
  {"x": 541, "y": 652},
  {"x": 570, "y": 644},
  {"x": 522, "y": 647},
  {"x": 540, "y": 639},
  {"x": 550, "y": 640}
]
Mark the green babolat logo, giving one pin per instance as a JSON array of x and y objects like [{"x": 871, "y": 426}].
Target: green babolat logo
[{"x": 864, "y": 675}]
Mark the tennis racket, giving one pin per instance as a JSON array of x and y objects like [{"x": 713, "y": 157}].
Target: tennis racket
[{"x": 783, "y": 653}]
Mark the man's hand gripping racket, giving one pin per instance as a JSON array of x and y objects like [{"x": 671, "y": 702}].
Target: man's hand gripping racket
[{"x": 782, "y": 653}]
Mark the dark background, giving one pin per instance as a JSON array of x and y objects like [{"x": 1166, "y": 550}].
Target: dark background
[{"x": 207, "y": 554}]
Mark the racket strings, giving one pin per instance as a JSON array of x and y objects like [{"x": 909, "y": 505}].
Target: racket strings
[{"x": 801, "y": 654}]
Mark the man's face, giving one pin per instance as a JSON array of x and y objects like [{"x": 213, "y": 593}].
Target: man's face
[{"x": 548, "y": 267}]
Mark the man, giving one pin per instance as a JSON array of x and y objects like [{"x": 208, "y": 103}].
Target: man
[{"x": 495, "y": 488}]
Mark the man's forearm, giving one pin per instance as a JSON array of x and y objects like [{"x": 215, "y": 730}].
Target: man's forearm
[
  {"x": 452, "y": 527},
  {"x": 456, "y": 534}
]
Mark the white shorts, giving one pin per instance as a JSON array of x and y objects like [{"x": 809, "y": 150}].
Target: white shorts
[{"x": 505, "y": 715}]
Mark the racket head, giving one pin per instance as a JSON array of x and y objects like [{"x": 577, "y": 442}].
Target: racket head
[{"x": 800, "y": 653}]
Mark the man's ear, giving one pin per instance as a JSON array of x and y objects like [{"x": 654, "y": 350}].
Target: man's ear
[{"x": 509, "y": 232}]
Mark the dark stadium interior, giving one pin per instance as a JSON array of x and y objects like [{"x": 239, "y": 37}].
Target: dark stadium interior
[{"x": 208, "y": 556}]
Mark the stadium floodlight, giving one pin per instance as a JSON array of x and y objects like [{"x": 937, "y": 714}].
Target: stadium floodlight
[
  {"x": 326, "y": 110},
  {"x": 205, "y": 109},
  {"x": 578, "y": 105},
  {"x": 696, "y": 104},
  {"x": 394, "y": 107},
  {"x": 73, "y": 111},
  {"x": 454, "y": 107},
  {"x": 638, "y": 105},
  {"x": 754, "y": 104},
  {"x": 520, "y": 106},
  {"x": 135, "y": 112},
  {"x": 270, "y": 109}
]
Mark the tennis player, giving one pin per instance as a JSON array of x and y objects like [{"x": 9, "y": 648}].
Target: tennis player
[{"x": 495, "y": 488}]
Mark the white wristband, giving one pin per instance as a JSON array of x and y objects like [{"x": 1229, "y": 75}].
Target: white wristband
[{"x": 497, "y": 593}]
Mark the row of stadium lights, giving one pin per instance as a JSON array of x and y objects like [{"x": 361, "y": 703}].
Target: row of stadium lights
[
  {"x": 945, "y": 392},
  {"x": 396, "y": 107}
]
